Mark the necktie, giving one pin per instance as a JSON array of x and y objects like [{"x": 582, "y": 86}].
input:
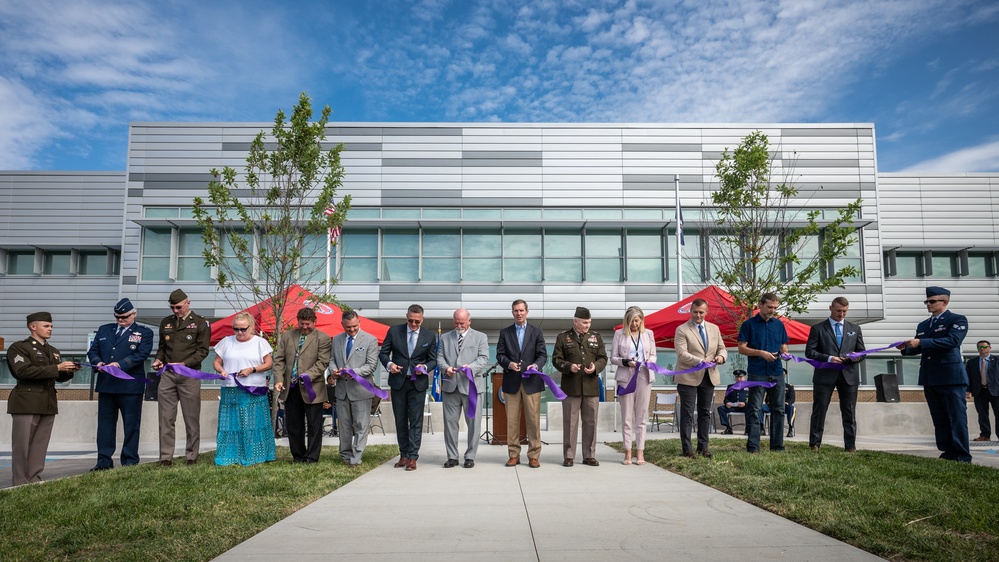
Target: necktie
[
  {"x": 350, "y": 344},
  {"x": 412, "y": 342},
  {"x": 704, "y": 337},
  {"x": 839, "y": 334},
  {"x": 983, "y": 369},
  {"x": 461, "y": 340},
  {"x": 294, "y": 366},
  {"x": 117, "y": 333}
]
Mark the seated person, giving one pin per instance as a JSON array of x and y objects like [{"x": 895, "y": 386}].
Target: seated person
[{"x": 735, "y": 401}]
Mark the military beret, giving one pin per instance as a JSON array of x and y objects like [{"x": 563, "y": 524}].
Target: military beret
[
  {"x": 582, "y": 313},
  {"x": 178, "y": 297},
  {"x": 937, "y": 291},
  {"x": 124, "y": 306},
  {"x": 39, "y": 317},
  {"x": 738, "y": 373}
]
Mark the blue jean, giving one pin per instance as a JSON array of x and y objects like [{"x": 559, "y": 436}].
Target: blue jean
[{"x": 754, "y": 408}]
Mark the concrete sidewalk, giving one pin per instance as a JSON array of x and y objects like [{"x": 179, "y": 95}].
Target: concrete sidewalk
[{"x": 492, "y": 512}]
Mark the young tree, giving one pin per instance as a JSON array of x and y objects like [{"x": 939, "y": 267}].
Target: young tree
[
  {"x": 765, "y": 241},
  {"x": 269, "y": 228}
]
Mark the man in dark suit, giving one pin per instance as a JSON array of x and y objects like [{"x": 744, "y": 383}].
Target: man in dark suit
[
  {"x": 405, "y": 348},
  {"x": 520, "y": 347},
  {"x": 830, "y": 342},
  {"x": 983, "y": 387},
  {"x": 942, "y": 374},
  {"x": 734, "y": 401},
  {"x": 126, "y": 345},
  {"x": 32, "y": 405}
]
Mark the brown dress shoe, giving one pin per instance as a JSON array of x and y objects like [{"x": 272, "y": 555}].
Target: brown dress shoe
[
  {"x": 411, "y": 465},
  {"x": 851, "y": 450},
  {"x": 403, "y": 463},
  {"x": 591, "y": 462},
  {"x": 689, "y": 455},
  {"x": 166, "y": 463},
  {"x": 705, "y": 453},
  {"x": 567, "y": 462},
  {"x": 514, "y": 461},
  {"x": 190, "y": 462},
  {"x": 533, "y": 463},
  {"x": 981, "y": 438},
  {"x": 814, "y": 447}
]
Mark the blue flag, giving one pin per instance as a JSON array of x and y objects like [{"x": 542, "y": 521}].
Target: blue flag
[{"x": 435, "y": 388}]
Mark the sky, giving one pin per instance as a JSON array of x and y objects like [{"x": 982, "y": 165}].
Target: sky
[{"x": 73, "y": 75}]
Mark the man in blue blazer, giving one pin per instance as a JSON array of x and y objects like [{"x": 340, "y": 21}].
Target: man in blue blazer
[
  {"x": 126, "y": 345},
  {"x": 942, "y": 374},
  {"x": 522, "y": 346},
  {"x": 830, "y": 342},
  {"x": 983, "y": 387},
  {"x": 406, "y": 347}
]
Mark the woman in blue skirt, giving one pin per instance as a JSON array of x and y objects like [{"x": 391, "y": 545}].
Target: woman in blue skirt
[{"x": 245, "y": 433}]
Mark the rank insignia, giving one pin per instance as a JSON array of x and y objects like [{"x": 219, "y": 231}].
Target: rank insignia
[{"x": 18, "y": 359}]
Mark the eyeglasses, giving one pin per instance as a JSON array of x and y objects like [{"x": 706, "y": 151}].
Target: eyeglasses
[
  {"x": 235, "y": 329},
  {"x": 932, "y": 301},
  {"x": 123, "y": 316}
]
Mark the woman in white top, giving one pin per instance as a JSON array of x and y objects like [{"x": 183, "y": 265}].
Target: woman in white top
[
  {"x": 245, "y": 435},
  {"x": 633, "y": 344}
]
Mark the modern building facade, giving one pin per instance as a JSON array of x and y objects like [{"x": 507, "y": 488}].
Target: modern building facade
[{"x": 476, "y": 215}]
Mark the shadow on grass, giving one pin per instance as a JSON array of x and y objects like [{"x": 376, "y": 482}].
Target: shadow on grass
[
  {"x": 146, "y": 512},
  {"x": 900, "y": 507}
]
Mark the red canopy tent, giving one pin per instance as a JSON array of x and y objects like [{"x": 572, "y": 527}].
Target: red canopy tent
[
  {"x": 327, "y": 316},
  {"x": 721, "y": 311}
]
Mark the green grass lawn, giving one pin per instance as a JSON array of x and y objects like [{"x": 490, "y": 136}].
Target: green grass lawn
[
  {"x": 899, "y": 507},
  {"x": 179, "y": 513}
]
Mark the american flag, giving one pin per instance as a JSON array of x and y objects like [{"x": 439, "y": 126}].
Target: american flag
[{"x": 336, "y": 230}]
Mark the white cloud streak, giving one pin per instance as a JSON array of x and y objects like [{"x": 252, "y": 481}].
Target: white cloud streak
[{"x": 981, "y": 158}]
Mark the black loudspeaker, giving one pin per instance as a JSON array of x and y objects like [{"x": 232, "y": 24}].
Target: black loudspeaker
[{"x": 887, "y": 387}]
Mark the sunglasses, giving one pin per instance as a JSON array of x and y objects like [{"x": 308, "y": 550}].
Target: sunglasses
[
  {"x": 176, "y": 306},
  {"x": 235, "y": 329},
  {"x": 932, "y": 301},
  {"x": 983, "y": 347},
  {"x": 123, "y": 316}
]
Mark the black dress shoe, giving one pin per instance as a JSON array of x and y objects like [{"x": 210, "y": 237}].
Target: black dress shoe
[
  {"x": 790, "y": 433},
  {"x": 705, "y": 453},
  {"x": 469, "y": 463},
  {"x": 689, "y": 455},
  {"x": 190, "y": 462},
  {"x": 166, "y": 463},
  {"x": 567, "y": 462},
  {"x": 728, "y": 431},
  {"x": 100, "y": 468},
  {"x": 451, "y": 463}
]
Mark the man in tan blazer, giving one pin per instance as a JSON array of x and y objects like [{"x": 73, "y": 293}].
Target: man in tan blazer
[
  {"x": 303, "y": 351},
  {"x": 697, "y": 340}
]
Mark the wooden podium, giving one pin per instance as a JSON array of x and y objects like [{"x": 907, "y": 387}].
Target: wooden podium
[{"x": 499, "y": 414}]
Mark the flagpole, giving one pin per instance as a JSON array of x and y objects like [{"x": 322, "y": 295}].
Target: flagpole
[{"x": 679, "y": 238}]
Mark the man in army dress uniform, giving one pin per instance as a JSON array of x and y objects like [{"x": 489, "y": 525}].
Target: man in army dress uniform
[
  {"x": 124, "y": 344},
  {"x": 37, "y": 366},
  {"x": 184, "y": 339},
  {"x": 580, "y": 356}
]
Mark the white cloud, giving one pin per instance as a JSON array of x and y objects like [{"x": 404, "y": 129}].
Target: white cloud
[{"x": 981, "y": 158}]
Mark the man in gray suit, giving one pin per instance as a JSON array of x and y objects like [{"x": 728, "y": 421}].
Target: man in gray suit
[
  {"x": 462, "y": 347},
  {"x": 358, "y": 351},
  {"x": 831, "y": 341}
]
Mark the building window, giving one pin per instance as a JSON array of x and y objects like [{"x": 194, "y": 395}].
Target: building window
[
  {"x": 191, "y": 257},
  {"x": 359, "y": 251},
  {"x": 563, "y": 255},
  {"x": 981, "y": 265},
  {"x": 233, "y": 268},
  {"x": 604, "y": 252},
  {"x": 401, "y": 255},
  {"x": 693, "y": 257},
  {"x": 156, "y": 253},
  {"x": 20, "y": 262},
  {"x": 482, "y": 257},
  {"x": 57, "y": 262},
  {"x": 645, "y": 256},
  {"x": 854, "y": 256},
  {"x": 93, "y": 262},
  {"x": 312, "y": 262},
  {"x": 442, "y": 255},
  {"x": 522, "y": 255}
]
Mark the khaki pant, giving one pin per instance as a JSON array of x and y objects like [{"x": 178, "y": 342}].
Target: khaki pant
[
  {"x": 531, "y": 404},
  {"x": 29, "y": 442},
  {"x": 187, "y": 391},
  {"x": 573, "y": 408}
]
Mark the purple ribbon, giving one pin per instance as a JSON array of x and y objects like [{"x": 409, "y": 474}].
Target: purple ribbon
[
  {"x": 417, "y": 369},
  {"x": 740, "y": 385},
  {"x": 117, "y": 373},
  {"x": 814, "y": 363},
  {"x": 853, "y": 356},
  {"x": 383, "y": 394},
  {"x": 633, "y": 383},
  {"x": 556, "y": 391},
  {"x": 473, "y": 393},
  {"x": 304, "y": 379},
  {"x": 185, "y": 371}
]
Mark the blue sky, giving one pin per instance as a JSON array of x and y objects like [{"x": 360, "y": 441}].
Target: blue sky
[{"x": 925, "y": 72}]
